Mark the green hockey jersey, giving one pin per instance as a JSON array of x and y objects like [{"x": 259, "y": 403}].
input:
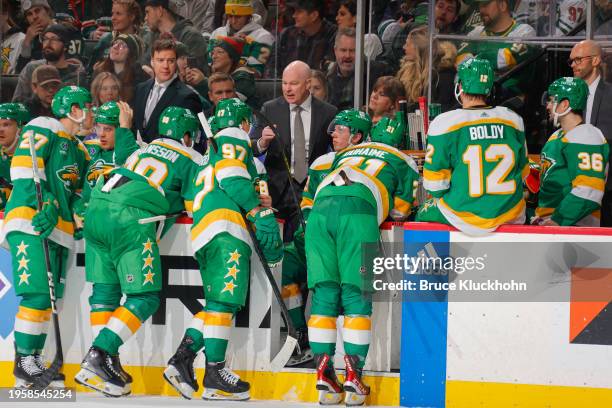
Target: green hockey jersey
[
  {"x": 389, "y": 177},
  {"x": 225, "y": 188},
  {"x": 103, "y": 161},
  {"x": 502, "y": 56},
  {"x": 475, "y": 164},
  {"x": 62, "y": 160},
  {"x": 168, "y": 167},
  {"x": 319, "y": 169},
  {"x": 574, "y": 166}
]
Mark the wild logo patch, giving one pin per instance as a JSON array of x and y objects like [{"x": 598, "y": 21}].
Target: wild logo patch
[
  {"x": 98, "y": 168},
  {"x": 69, "y": 176},
  {"x": 546, "y": 163}
]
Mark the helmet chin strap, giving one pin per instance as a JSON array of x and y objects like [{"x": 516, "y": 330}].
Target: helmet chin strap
[
  {"x": 78, "y": 121},
  {"x": 556, "y": 115},
  {"x": 458, "y": 93}
]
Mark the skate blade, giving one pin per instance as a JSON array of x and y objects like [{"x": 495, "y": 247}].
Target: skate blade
[
  {"x": 300, "y": 359},
  {"x": 218, "y": 395},
  {"x": 329, "y": 398},
  {"x": 94, "y": 382},
  {"x": 171, "y": 375},
  {"x": 20, "y": 383},
  {"x": 127, "y": 390},
  {"x": 353, "y": 399},
  {"x": 57, "y": 384}
]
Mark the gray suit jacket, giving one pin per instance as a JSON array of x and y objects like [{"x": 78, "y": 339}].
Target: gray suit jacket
[
  {"x": 277, "y": 110},
  {"x": 601, "y": 115}
]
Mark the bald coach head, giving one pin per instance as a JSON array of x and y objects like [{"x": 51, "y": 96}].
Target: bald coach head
[
  {"x": 296, "y": 82},
  {"x": 585, "y": 60}
]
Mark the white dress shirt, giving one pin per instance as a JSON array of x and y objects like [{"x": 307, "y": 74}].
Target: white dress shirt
[
  {"x": 591, "y": 99},
  {"x": 162, "y": 89},
  {"x": 306, "y": 120}
]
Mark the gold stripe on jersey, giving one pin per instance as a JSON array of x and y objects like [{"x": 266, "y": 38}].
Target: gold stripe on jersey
[
  {"x": 26, "y": 161},
  {"x": 216, "y": 222},
  {"x": 544, "y": 211},
  {"x": 525, "y": 171},
  {"x": 444, "y": 174},
  {"x": 324, "y": 166},
  {"x": 486, "y": 223},
  {"x": 490, "y": 121},
  {"x": 401, "y": 205},
  {"x": 591, "y": 182},
  {"x": 173, "y": 148},
  {"x": 382, "y": 197},
  {"x": 231, "y": 168},
  {"x": 217, "y": 215},
  {"x": 306, "y": 202}
]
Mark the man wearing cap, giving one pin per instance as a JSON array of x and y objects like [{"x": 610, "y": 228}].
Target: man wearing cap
[
  {"x": 38, "y": 15},
  {"x": 46, "y": 82},
  {"x": 160, "y": 18},
  {"x": 497, "y": 21},
  {"x": 55, "y": 39},
  {"x": 243, "y": 23},
  {"x": 311, "y": 39}
]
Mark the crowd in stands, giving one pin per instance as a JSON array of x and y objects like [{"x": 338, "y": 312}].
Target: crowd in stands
[{"x": 193, "y": 53}]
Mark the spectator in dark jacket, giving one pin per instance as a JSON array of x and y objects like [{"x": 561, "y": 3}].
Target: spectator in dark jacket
[
  {"x": 38, "y": 16},
  {"x": 311, "y": 39},
  {"x": 46, "y": 82},
  {"x": 161, "y": 19}
]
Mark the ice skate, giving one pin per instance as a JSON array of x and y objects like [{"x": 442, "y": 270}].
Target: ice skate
[
  {"x": 305, "y": 353},
  {"x": 25, "y": 370},
  {"x": 356, "y": 390},
  {"x": 98, "y": 373},
  {"x": 59, "y": 381},
  {"x": 127, "y": 390},
  {"x": 179, "y": 373},
  {"x": 221, "y": 383},
  {"x": 330, "y": 389}
]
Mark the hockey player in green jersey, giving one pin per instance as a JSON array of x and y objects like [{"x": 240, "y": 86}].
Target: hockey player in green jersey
[
  {"x": 155, "y": 180},
  {"x": 573, "y": 162},
  {"x": 61, "y": 161},
  {"x": 476, "y": 159},
  {"x": 368, "y": 182},
  {"x": 13, "y": 116},
  {"x": 114, "y": 144},
  {"x": 294, "y": 259},
  {"x": 222, "y": 247}
]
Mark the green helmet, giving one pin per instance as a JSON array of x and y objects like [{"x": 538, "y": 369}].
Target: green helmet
[
  {"x": 575, "y": 90},
  {"x": 356, "y": 120},
  {"x": 212, "y": 122},
  {"x": 475, "y": 76},
  {"x": 108, "y": 114},
  {"x": 389, "y": 131},
  {"x": 68, "y": 96},
  {"x": 15, "y": 111},
  {"x": 231, "y": 112},
  {"x": 174, "y": 122}
]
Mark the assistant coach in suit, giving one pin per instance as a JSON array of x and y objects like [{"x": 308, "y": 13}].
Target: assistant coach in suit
[
  {"x": 155, "y": 95},
  {"x": 585, "y": 60},
  {"x": 301, "y": 121}
]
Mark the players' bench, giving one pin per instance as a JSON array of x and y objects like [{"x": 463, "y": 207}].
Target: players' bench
[
  {"x": 268, "y": 89},
  {"x": 8, "y": 83}
]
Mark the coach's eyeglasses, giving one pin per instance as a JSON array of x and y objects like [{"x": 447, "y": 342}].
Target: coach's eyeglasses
[{"x": 578, "y": 60}]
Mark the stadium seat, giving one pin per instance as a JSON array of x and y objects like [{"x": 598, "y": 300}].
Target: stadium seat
[
  {"x": 8, "y": 83},
  {"x": 268, "y": 89}
]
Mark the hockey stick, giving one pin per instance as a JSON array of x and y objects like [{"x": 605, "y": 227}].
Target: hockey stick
[
  {"x": 277, "y": 137},
  {"x": 283, "y": 356},
  {"x": 158, "y": 218},
  {"x": 43, "y": 381}
]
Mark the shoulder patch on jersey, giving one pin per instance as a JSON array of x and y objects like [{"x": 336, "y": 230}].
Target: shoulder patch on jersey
[
  {"x": 234, "y": 132},
  {"x": 323, "y": 162},
  {"x": 555, "y": 135},
  {"x": 585, "y": 134}
]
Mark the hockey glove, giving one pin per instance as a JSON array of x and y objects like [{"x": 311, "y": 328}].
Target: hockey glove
[
  {"x": 78, "y": 215},
  {"x": 45, "y": 220},
  {"x": 267, "y": 233}
]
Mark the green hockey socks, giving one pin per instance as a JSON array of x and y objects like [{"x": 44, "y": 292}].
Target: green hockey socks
[
  {"x": 126, "y": 320},
  {"x": 32, "y": 323},
  {"x": 356, "y": 332},
  {"x": 211, "y": 329},
  {"x": 104, "y": 299}
]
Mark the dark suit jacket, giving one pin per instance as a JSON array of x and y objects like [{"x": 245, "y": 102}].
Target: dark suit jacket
[
  {"x": 601, "y": 115},
  {"x": 277, "y": 110},
  {"x": 177, "y": 94}
]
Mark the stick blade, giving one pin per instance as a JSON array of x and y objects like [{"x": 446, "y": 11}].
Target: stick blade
[
  {"x": 42, "y": 381},
  {"x": 283, "y": 355}
]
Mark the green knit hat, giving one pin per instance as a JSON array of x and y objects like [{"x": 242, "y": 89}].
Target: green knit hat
[{"x": 238, "y": 8}]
